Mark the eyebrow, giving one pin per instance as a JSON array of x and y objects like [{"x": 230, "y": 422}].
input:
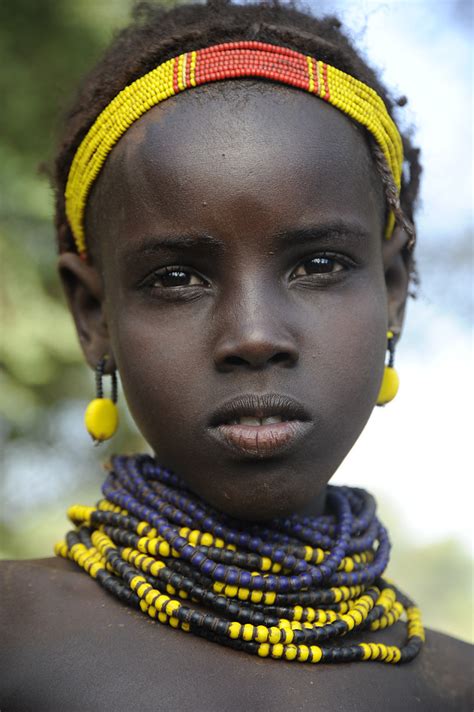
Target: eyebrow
[
  {"x": 336, "y": 229},
  {"x": 203, "y": 242},
  {"x": 193, "y": 241}
]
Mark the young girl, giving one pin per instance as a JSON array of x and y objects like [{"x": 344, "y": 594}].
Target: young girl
[{"x": 234, "y": 217}]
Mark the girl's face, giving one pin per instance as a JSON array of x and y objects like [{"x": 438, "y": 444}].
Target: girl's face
[{"x": 236, "y": 236}]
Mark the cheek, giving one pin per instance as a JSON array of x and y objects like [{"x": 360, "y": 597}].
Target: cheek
[
  {"x": 348, "y": 360},
  {"x": 161, "y": 361}
]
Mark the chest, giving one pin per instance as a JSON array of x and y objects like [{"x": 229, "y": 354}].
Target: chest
[
  {"x": 105, "y": 656},
  {"x": 66, "y": 645}
]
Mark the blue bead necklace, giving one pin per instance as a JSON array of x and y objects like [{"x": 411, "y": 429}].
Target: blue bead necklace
[{"x": 308, "y": 589}]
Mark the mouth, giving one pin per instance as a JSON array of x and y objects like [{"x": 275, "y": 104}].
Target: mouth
[{"x": 260, "y": 426}]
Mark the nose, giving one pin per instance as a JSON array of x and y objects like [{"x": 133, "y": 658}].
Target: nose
[{"x": 254, "y": 336}]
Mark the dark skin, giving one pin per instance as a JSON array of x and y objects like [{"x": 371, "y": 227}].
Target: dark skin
[
  {"x": 251, "y": 315},
  {"x": 69, "y": 646}
]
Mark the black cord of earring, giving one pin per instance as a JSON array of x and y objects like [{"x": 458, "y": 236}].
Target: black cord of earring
[
  {"x": 101, "y": 416},
  {"x": 390, "y": 380}
]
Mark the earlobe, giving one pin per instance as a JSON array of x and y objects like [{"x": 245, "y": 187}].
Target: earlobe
[
  {"x": 83, "y": 287},
  {"x": 397, "y": 279}
]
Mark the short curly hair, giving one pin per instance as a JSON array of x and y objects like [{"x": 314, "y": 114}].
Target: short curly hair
[{"x": 157, "y": 34}]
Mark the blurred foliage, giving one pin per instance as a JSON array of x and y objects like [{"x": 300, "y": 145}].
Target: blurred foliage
[
  {"x": 437, "y": 577},
  {"x": 38, "y": 347},
  {"x": 45, "y": 49},
  {"x": 46, "y": 457}
]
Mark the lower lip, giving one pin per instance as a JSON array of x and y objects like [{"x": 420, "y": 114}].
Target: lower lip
[{"x": 261, "y": 441}]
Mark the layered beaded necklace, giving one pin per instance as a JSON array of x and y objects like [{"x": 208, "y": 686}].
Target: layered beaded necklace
[{"x": 299, "y": 588}]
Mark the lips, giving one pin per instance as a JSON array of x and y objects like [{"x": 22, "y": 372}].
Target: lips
[{"x": 260, "y": 425}]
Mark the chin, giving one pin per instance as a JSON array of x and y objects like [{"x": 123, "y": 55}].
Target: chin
[{"x": 261, "y": 503}]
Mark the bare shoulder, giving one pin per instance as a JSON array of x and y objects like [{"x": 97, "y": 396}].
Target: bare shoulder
[
  {"x": 446, "y": 665},
  {"x": 32, "y": 570},
  {"x": 27, "y": 570},
  {"x": 59, "y": 626},
  {"x": 443, "y": 651},
  {"x": 30, "y": 586}
]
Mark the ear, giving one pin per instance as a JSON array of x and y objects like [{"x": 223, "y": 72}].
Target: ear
[
  {"x": 397, "y": 278},
  {"x": 83, "y": 286}
]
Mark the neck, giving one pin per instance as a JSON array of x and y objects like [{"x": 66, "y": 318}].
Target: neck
[{"x": 315, "y": 507}]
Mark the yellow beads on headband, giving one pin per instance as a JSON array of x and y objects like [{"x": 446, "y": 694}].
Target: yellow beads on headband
[{"x": 229, "y": 60}]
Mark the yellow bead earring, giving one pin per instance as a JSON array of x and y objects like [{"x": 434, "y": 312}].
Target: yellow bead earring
[
  {"x": 101, "y": 416},
  {"x": 390, "y": 380}
]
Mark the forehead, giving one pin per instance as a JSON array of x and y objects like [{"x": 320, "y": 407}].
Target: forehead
[{"x": 240, "y": 155}]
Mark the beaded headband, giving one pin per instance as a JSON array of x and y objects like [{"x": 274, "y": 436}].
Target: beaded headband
[{"x": 225, "y": 61}]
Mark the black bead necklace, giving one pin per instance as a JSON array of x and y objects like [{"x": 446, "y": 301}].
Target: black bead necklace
[{"x": 302, "y": 588}]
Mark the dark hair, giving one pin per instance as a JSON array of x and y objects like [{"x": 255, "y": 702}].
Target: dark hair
[{"x": 157, "y": 34}]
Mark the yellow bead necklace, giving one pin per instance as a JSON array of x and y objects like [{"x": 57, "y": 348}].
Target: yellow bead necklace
[{"x": 302, "y": 588}]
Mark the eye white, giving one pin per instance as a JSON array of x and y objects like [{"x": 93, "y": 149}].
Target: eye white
[
  {"x": 329, "y": 262},
  {"x": 177, "y": 275}
]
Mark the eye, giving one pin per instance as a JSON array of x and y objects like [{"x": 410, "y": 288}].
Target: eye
[
  {"x": 174, "y": 277},
  {"x": 320, "y": 264}
]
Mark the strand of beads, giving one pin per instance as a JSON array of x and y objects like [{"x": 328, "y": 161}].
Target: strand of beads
[
  {"x": 299, "y": 589},
  {"x": 228, "y": 60}
]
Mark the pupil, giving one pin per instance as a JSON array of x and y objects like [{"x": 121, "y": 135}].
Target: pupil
[
  {"x": 175, "y": 278},
  {"x": 319, "y": 265}
]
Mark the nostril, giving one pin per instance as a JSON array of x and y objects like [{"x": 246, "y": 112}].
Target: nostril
[
  {"x": 235, "y": 361},
  {"x": 258, "y": 361},
  {"x": 280, "y": 358}
]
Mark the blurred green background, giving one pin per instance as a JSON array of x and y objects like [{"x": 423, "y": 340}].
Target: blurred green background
[{"x": 47, "y": 461}]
